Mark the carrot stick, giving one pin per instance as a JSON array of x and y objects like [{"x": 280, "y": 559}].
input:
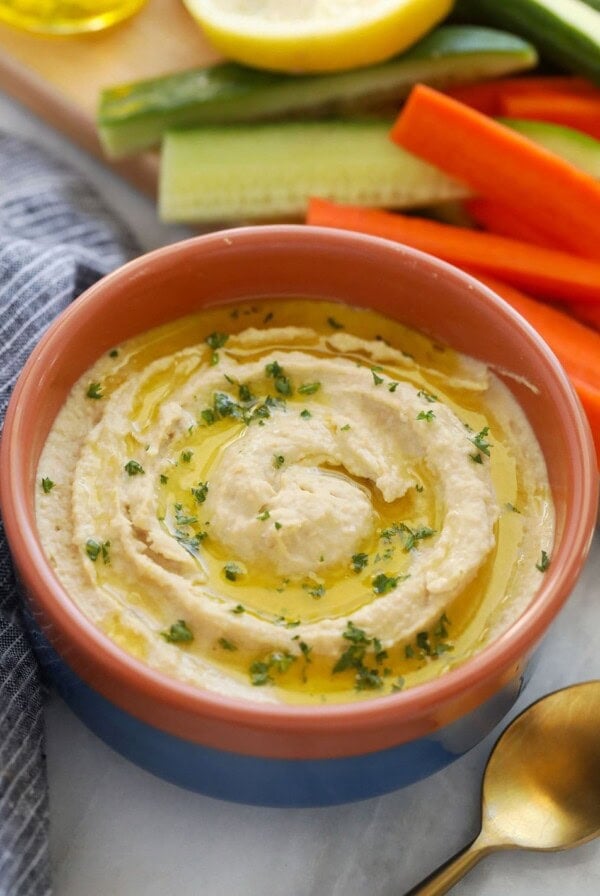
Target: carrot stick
[
  {"x": 487, "y": 96},
  {"x": 575, "y": 345},
  {"x": 554, "y": 275},
  {"x": 497, "y": 218},
  {"x": 539, "y": 186},
  {"x": 589, "y": 314},
  {"x": 579, "y": 112}
]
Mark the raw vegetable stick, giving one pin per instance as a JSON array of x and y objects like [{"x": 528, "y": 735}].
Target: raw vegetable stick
[
  {"x": 488, "y": 96},
  {"x": 579, "y": 112},
  {"x": 497, "y": 218},
  {"x": 554, "y": 275},
  {"x": 544, "y": 189}
]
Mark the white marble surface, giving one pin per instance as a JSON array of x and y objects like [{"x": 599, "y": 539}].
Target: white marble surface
[{"x": 118, "y": 831}]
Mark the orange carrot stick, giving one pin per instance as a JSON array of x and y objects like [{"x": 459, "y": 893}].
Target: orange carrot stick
[
  {"x": 557, "y": 276},
  {"x": 487, "y": 96},
  {"x": 579, "y": 112},
  {"x": 544, "y": 189},
  {"x": 497, "y": 218}
]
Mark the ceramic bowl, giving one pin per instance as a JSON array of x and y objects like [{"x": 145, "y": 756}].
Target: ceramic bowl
[{"x": 282, "y": 754}]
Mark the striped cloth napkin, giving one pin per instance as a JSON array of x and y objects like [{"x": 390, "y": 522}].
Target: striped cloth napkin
[{"x": 56, "y": 239}]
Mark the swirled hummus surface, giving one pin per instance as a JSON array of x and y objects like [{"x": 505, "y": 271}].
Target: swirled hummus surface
[{"x": 295, "y": 500}]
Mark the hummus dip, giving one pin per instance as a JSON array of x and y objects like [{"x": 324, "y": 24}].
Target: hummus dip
[{"x": 295, "y": 501}]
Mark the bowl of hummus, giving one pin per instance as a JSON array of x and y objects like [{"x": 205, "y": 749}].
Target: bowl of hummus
[{"x": 289, "y": 513}]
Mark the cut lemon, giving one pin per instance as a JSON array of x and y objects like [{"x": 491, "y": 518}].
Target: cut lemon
[{"x": 315, "y": 35}]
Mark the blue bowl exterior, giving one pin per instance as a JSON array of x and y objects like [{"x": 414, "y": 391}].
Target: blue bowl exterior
[{"x": 265, "y": 781}]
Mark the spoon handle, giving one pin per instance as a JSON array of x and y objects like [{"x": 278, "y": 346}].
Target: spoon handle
[{"x": 443, "y": 878}]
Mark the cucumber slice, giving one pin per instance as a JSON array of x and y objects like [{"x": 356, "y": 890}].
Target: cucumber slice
[
  {"x": 238, "y": 172},
  {"x": 580, "y": 149},
  {"x": 134, "y": 116},
  {"x": 564, "y": 31},
  {"x": 258, "y": 171}
]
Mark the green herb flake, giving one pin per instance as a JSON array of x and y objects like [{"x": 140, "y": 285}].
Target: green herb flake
[
  {"x": 305, "y": 650},
  {"x": 476, "y": 458},
  {"x": 259, "y": 674},
  {"x": 94, "y": 390},
  {"x": 231, "y": 571},
  {"x": 216, "y": 340},
  {"x": 309, "y": 388},
  {"x": 305, "y": 414},
  {"x": 359, "y": 561},
  {"x": 238, "y": 609},
  {"x": 113, "y": 353},
  {"x": 427, "y": 396},
  {"x": 227, "y": 645},
  {"x": 264, "y": 515},
  {"x": 186, "y": 456},
  {"x": 393, "y": 386},
  {"x": 345, "y": 428},
  {"x": 274, "y": 369},
  {"x": 277, "y": 525},
  {"x": 245, "y": 394},
  {"x": 426, "y": 415},
  {"x": 163, "y": 479},
  {"x": 544, "y": 562},
  {"x": 200, "y": 492},
  {"x": 133, "y": 468},
  {"x": 179, "y": 633},
  {"x": 47, "y": 485},
  {"x": 334, "y": 324},
  {"x": 383, "y": 584},
  {"x": 95, "y": 549},
  {"x": 419, "y": 487},
  {"x": 376, "y": 378},
  {"x": 480, "y": 441},
  {"x": 278, "y": 461},
  {"x": 316, "y": 591},
  {"x": 208, "y": 416},
  {"x": 511, "y": 507}
]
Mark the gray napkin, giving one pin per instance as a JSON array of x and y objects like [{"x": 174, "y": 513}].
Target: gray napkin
[{"x": 56, "y": 239}]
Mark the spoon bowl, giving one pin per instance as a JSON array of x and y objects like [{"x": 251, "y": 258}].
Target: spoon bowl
[{"x": 541, "y": 788}]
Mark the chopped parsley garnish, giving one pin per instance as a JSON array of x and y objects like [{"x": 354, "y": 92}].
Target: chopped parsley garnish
[
  {"x": 479, "y": 440},
  {"x": 431, "y": 644},
  {"x": 224, "y": 405},
  {"x": 238, "y": 609},
  {"x": 227, "y": 645},
  {"x": 268, "y": 317},
  {"x": 208, "y": 415},
  {"x": 200, "y": 492},
  {"x": 334, "y": 324},
  {"x": 511, "y": 507},
  {"x": 244, "y": 393},
  {"x": 409, "y": 536},
  {"x": 95, "y": 549},
  {"x": 163, "y": 479},
  {"x": 476, "y": 458},
  {"x": 273, "y": 369},
  {"x": 305, "y": 650},
  {"x": 282, "y": 382},
  {"x": 305, "y": 414},
  {"x": 345, "y": 428},
  {"x": 354, "y": 658},
  {"x": 190, "y": 543},
  {"x": 426, "y": 415},
  {"x": 277, "y": 525},
  {"x": 309, "y": 388},
  {"x": 383, "y": 584},
  {"x": 217, "y": 340},
  {"x": 428, "y": 396},
  {"x": 278, "y": 460},
  {"x": 182, "y": 517},
  {"x": 260, "y": 671},
  {"x": 376, "y": 379},
  {"x": 544, "y": 562},
  {"x": 133, "y": 468},
  {"x": 419, "y": 487},
  {"x": 264, "y": 515},
  {"x": 94, "y": 390},
  {"x": 113, "y": 353},
  {"x": 179, "y": 633},
  {"x": 359, "y": 561},
  {"x": 232, "y": 571},
  {"x": 186, "y": 456},
  {"x": 393, "y": 386},
  {"x": 47, "y": 485},
  {"x": 316, "y": 591}
]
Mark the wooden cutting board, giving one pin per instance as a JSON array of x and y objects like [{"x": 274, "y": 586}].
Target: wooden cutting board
[{"x": 60, "y": 78}]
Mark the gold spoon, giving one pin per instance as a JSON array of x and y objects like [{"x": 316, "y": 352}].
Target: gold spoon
[{"x": 541, "y": 788}]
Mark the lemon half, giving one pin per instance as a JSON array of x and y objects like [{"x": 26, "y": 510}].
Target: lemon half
[{"x": 315, "y": 35}]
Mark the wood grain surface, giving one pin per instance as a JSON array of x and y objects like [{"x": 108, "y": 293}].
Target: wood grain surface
[{"x": 60, "y": 78}]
